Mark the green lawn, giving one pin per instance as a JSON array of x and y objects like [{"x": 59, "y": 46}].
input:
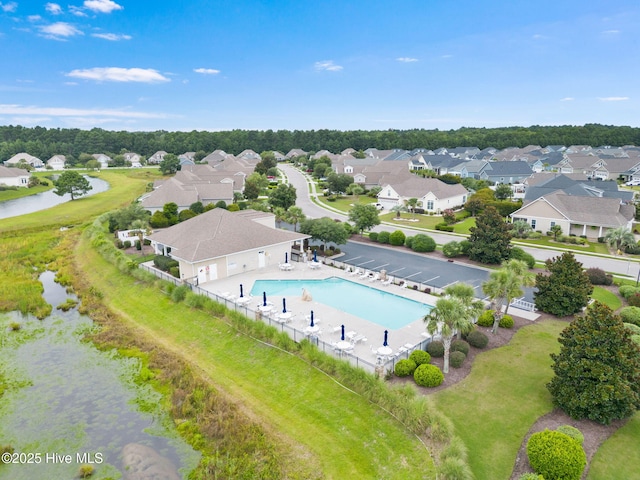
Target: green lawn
[
  {"x": 495, "y": 406},
  {"x": 592, "y": 246},
  {"x": 608, "y": 298},
  {"x": 346, "y": 202},
  {"x": 22, "y": 192},
  {"x": 619, "y": 456}
]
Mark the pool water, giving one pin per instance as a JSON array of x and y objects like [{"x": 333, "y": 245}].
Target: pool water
[{"x": 377, "y": 306}]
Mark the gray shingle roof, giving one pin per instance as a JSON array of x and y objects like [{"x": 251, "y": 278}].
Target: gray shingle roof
[{"x": 607, "y": 212}]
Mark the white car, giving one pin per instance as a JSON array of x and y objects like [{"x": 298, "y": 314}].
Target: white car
[
  {"x": 379, "y": 206},
  {"x": 632, "y": 183}
]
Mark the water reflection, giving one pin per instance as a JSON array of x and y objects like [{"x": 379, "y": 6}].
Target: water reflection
[
  {"x": 79, "y": 399},
  {"x": 44, "y": 200}
]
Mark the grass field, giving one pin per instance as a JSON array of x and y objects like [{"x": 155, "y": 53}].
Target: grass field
[
  {"x": 619, "y": 456},
  {"x": 610, "y": 299}
]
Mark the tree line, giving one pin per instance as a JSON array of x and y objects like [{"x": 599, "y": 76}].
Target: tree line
[{"x": 46, "y": 142}]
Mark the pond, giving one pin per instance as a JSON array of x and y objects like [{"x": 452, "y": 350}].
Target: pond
[
  {"x": 44, "y": 200},
  {"x": 73, "y": 404}
]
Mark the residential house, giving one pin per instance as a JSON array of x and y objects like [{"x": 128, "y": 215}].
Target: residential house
[
  {"x": 186, "y": 194},
  {"x": 133, "y": 159},
  {"x": 434, "y": 195},
  {"x": 187, "y": 158},
  {"x": 296, "y": 152},
  {"x": 216, "y": 157},
  {"x": 249, "y": 155},
  {"x": 157, "y": 157},
  {"x": 57, "y": 162},
  {"x": 588, "y": 163},
  {"x": 14, "y": 177},
  {"x": 549, "y": 183},
  {"x": 24, "y": 158},
  {"x": 506, "y": 172},
  {"x": 218, "y": 244},
  {"x": 578, "y": 215},
  {"x": 103, "y": 160}
]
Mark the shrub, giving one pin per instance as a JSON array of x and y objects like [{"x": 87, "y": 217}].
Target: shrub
[
  {"x": 164, "y": 263},
  {"x": 627, "y": 290},
  {"x": 573, "y": 432},
  {"x": 427, "y": 375},
  {"x": 85, "y": 471},
  {"x": 634, "y": 329},
  {"x": 519, "y": 254},
  {"x": 451, "y": 249},
  {"x": 597, "y": 276},
  {"x": 179, "y": 293},
  {"x": 456, "y": 359},
  {"x": 634, "y": 300},
  {"x": 175, "y": 271},
  {"x": 408, "y": 242},
  {"x": 138, "y": 245},
  {"x": 127, "y": 244},
  {"x": 506, "y": 321},
  {"x": 119, "y": 244},
  {"x": 460, "y": 346},
  {"x": 373, "y": 236},
  {"x": 530, "y": 476},
  {"x": 423, "y": 243},
  {"x": 444, "y": 227},
  {"x": 632, "y": 249},
  {"x": 630, "y": 315},
  {"x": 435, "y": 349},
  {"x": 601, "y": 240},
  {"x": 486, "y": 319},
  {"x": 405, "y": 367},
  {"x": 477, "y": 339},
  {"x": 397, "y": 238},
  {"x": 465, "y": 246},
  {"x": 383, "y": 237},
  {"x": 555, "y": 455},
  {"x": 420, "y": 357}
]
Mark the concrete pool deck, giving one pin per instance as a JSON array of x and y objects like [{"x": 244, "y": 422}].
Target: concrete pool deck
[{"x": 328, "y": 318}]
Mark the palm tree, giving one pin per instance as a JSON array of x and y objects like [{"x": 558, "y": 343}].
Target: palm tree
[
  {"x": 398, "y": 209},
  {"x": 504, "y": 285},
  {"x": 142, "y": 227},
  {"x": 411, "y": 204},
  {"x": 619, "y": 237},
  {"x": 355, "y": 190},
  {"x": 453, "y": 314},
  {"x": 280, "y": 214},
  {"x": 295, "y": 215},
  {"x": 556, "y": 230}
]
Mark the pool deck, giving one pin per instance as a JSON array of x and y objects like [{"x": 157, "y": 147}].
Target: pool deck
[{"x": 328, "y": 318}]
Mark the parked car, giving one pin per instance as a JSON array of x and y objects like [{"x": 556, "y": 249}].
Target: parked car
[
  {"x": 379, "y": 206},
  {"x": 632, "y": 183}
]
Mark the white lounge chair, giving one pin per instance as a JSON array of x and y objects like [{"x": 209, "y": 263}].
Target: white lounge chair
[
  {"x": 355, "y": 272},
  {"x": 375, "y": 277},
  {"x": 364, "y": 275},
  {"x": 387, "y": 282}
]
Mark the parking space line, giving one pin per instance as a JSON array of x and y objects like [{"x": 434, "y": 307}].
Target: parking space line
[
  {"x": 351, "y": 259},
  {"x": 396, "y": 270},
  {"x": 426, "y": 281},
  {"x": 364, "y": 263},
  {"x": 413, "y": 274}
]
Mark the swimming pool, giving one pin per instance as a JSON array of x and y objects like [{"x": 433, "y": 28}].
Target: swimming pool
[{"x": 377, "y": 306}]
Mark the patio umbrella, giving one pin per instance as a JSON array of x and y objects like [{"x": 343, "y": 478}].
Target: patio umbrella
[
  {"x": 286, "y": 257},
  {"x": 386, "y": 332},
  {"x": 315, "y": 255},
  {"x": 284, "y": 305},
  {"x": 311, "y": 318},
  {"x": 264, "y": 299},
  {"x": 241, "y": 293},
  {"x": 342, "y": 337}
]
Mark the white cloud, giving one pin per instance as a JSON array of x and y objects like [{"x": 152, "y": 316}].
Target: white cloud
[
  {"x": 406, "y": 59},
  {"x": 207, "y": 71},
  {"x": 34, "y": 18},
  {"x": 59, "y": 30},
  {"x": 102, "y": 6},
  {"x": 327, "y": 65},
  {"x": 9, "y": 7},
  {"x": 113, "y": 37},
  {"x": 77, "y": 11},
  {"x": 611, "y": 32},
  {"x": 53, "y": 8},
  {"x": 567, "y": 99},
  {"x": 14, "y": 109},
  {"x": 117, "y": 74},
  {"x": 446, "y": 56},
  {"x": 613, "y": 99}
]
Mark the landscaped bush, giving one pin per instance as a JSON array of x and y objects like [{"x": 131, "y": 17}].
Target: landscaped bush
[
  {"x": 506, "y": 321},
  {"x": 435, "y": 349},
  {"x": 451, "y": 249},
  {"x": 477, "y": 339},
  {"x": 175, "y": 271},
  {"x": 519, "y": 254},
  {"x": 397, "y": 238},
  {"x": 456, "y": 359},
  {"x": 627, "y": 290},
  {"x": 465, "y": 246},
  {"x": 383, "y": 237},
  {"x": 634, "y": 300},
  {"x": 179, "y": 293},
  {"x": 486, "y": 319},
  {"x": 632, "y": 249},
  {"x": 164, "y": 263},
  {"x": 420, "y": 357},
  {"x": 555, "y": 455},
  {"x": 573, "y": 432},
  {"x": 373, "y": 236},
  {"x": 460, "y": 346},
  {"x": 423, "y": 243},
  {"x": 444, "y": 227},
  {"x": 597, "y": 276},
  {"x": 530, "y": 476},
  {"x": 427, "y": 375},
  {"x": 630, "y": 315},
  {"x": 408, "y": 242},
  {"x": 405, "y": 367},
  {"x": 634, "y": 329}
]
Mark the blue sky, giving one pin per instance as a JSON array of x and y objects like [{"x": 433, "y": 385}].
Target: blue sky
[{"x": 297, "y": 64}]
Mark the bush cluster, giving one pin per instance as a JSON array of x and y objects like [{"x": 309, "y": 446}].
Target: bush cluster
[
  {"x": 373, "y": 236},
  {"x": 627, "y": 290},
  {"x": 506, "y": 321},
  {"x": 573, "y": 432},
  {"x": 397, "y": 238},
  {"x": 519, "y": 254},
  {"x": 405, "y": 367},
  {"x": 555, "y": 455},
  {"x": 460, "y": 346},
  {"x": 456, "y": 359},
  {"x": 630, "y": 315},
  {"x": 383, "y": 237},
  {"x": 477, "y": 339},
  {"x": 427, "y": 375},
  {"x": 423, "y": 243},
  {"x": 435, "y": 349},
  {"x": 164, "y": 263},
  {"x": 465, "y": 246},
  {"x": 420, "y": 357},
  {"x": 597, "y": 276},
  {"x": 634, "y": 300},
  {"x": 444, "y": 227},
  {"x": 451, "y": 249},
  {"x": 486, "y": 319}
]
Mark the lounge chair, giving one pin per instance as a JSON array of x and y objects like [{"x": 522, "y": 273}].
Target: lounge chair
[
  {"x": 364, "y": 275},
  {"x": 355, "y": 272},
  {"x": 387, "y": 282},
  {"x": 375, "y": 277}
]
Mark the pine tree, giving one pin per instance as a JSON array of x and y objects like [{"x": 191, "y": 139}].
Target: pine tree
[
  {"x": 490, "y": 238},
  {"x": 566, "y": 290},
  {"x": 597, "y": 372}
]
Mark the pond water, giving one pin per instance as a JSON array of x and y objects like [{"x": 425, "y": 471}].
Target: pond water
[
  {"x": 76, "y": 400},
  {"x": 44, "y": 200}
]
